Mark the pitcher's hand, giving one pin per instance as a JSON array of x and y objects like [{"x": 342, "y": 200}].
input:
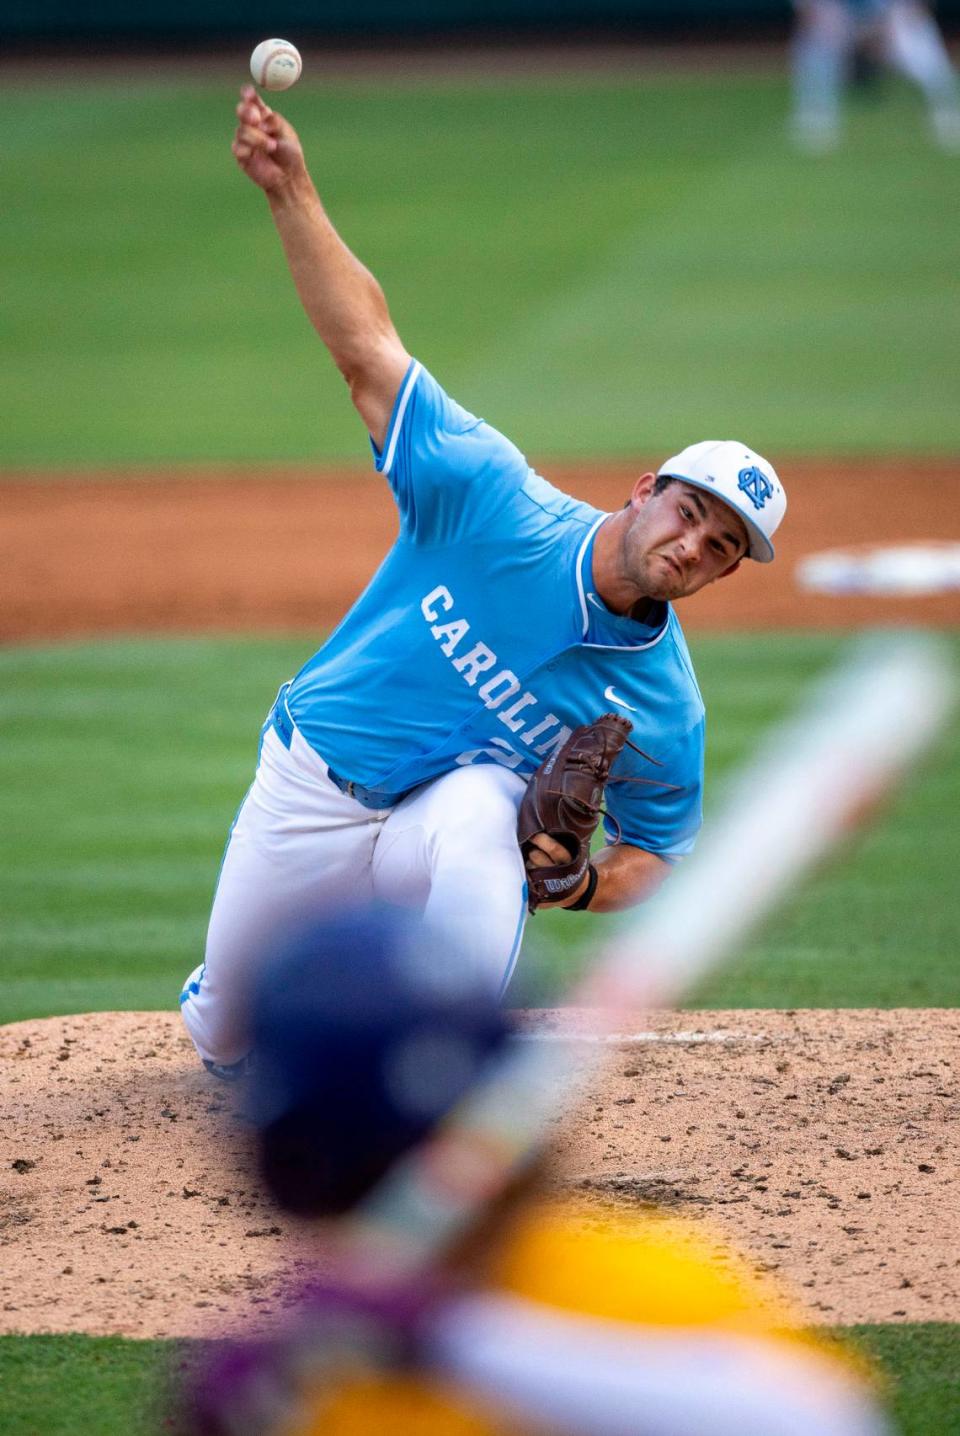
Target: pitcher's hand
[{"x": 265, "y": 146}]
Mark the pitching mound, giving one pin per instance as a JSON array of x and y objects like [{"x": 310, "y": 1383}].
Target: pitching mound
[{"x": 129, "y": 1203}]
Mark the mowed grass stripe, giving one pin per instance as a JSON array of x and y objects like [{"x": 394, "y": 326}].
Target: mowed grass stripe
[
  {"x": 598, "y": 267},
  {"x": 122, "y": 765},
  {"x": 738, "y": 303},
  {"x": 84, "y": 1386}
]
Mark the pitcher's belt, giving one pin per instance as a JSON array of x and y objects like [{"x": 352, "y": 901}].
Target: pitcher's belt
[{"x": 282, "y": 724}]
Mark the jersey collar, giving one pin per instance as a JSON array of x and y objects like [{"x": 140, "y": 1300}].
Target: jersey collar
[{"x": 600, "y": 626}]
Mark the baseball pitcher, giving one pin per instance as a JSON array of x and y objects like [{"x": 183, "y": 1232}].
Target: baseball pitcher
[{"x": 506, "y": 619}]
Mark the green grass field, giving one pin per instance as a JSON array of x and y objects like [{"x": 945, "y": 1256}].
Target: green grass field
[
  {"x": 122, "y": 764},
  {"x": 98, "y": 1386},
  {"x": 597, "y": 267}
]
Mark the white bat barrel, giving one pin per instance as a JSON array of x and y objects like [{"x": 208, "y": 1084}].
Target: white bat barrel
[{"x": 813, "y": 779}]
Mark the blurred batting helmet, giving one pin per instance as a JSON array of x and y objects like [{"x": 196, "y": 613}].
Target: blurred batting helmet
[{"x": 364, "y": 1036}]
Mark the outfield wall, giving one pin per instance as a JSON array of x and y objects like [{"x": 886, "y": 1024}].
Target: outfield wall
[
  {"x": 62, "y": 19},
  {"x": 358, "y": 16}
]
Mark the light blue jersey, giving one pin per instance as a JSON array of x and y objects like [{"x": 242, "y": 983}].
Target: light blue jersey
[{"x": 480, "y": 638}]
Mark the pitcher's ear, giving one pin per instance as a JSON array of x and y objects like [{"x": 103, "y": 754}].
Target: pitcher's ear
[{"x": 642, "y": 489}]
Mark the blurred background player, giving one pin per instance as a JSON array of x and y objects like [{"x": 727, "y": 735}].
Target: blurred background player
[
  {"x": 900, "y": 33},
  {"x": 545, "y": 1319}
]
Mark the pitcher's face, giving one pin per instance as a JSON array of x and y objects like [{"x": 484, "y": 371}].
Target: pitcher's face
[{"x": 680, "y": 539}]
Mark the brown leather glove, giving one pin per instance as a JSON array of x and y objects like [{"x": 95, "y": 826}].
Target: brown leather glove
[{"x": 563, "y": 799}]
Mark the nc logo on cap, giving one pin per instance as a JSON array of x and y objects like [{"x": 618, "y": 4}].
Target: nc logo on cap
[{"x": 755, "y": 485}]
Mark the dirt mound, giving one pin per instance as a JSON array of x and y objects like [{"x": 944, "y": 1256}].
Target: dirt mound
[{"x": 819, "y": 1140}]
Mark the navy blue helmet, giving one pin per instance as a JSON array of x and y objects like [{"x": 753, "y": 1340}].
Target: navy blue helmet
[{"x": 364, "y": 1036}]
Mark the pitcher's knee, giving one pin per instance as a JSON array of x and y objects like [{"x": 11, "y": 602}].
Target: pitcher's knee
[
  {"x": 218, "y": 1029},
  {"x": 482, "y": 800}
]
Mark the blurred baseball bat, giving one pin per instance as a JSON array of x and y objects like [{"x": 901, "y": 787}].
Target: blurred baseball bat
[{"x": 812, "y": 780}]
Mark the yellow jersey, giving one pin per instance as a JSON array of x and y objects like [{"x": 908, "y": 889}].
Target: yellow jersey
[{"x": 635, "y": 1326}]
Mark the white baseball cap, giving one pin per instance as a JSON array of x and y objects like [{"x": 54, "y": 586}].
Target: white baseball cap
[{"x": 744, "y": 480}]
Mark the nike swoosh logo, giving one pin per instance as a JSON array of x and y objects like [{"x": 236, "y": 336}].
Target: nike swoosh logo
[
  {"x": 592, "y": 598},
  {"x": 611, "y": 697}
]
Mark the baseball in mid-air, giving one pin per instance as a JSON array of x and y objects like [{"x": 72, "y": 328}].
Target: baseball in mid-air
[{"x": 276, "y": 64}]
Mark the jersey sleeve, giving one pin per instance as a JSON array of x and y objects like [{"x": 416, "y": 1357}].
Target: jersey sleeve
[
  {"x": 451, "y": 473},
  {"x": 663, "y": 813}
]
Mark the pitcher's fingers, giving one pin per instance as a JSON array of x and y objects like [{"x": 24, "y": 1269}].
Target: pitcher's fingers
[
  {"x": 253, "y": 102},
  {"x": 249, "y": 113},
  {"x": 261, "y": 104},
  {"x": 544, "y": 852},
  {"x": 249, "y": 96},
  {"x": 254, "y": 137}
]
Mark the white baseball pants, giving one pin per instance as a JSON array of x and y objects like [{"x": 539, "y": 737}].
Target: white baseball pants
[{"x": 299, "y": 846}]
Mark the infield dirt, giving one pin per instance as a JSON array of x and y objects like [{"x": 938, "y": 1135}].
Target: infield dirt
[
  {"x": 214, "y": 551},
  {"x": 818, "y": 1142}
]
